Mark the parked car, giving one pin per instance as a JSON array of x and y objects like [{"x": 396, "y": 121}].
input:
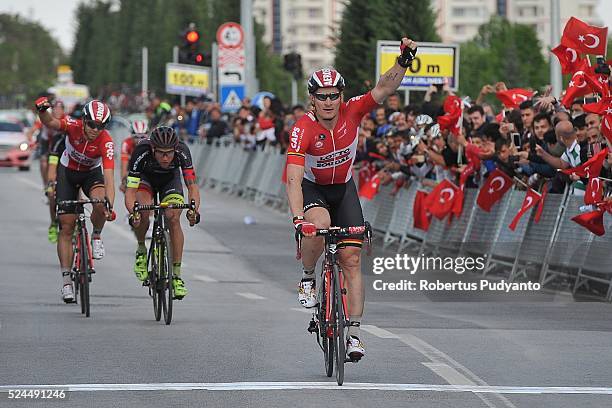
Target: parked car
[{"x": 15, "y": 151}]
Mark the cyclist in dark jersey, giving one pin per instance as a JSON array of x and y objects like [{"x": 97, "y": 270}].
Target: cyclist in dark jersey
[
  {"x": 155, "y": 167},
  {"x": 321, "y": 192}
]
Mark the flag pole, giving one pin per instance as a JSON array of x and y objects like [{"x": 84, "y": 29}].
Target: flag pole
[{"x": 521, "y": 182}]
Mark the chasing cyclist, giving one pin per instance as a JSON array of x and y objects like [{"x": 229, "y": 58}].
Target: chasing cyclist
[
  {"x": 87, "y": 163},
  {"x": 321, "y": 192},
  {"x": 140, "y": 130},
  {"x": 155, "y": 167}
]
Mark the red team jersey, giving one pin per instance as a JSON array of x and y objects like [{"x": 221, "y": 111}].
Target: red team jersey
[
  {"x": 127, "y": 147},
  {"x": 327, "y": 156},
  {"x": 80, "y": 153}
]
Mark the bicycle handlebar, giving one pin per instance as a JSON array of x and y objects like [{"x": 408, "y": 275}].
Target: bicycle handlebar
[
  {"x": 164, "y": 206},
  {"x": 83, "y": 202},
  {"x": 338, "y": 232}
]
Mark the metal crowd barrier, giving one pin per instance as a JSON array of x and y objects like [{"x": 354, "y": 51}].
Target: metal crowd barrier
[{"x": 554, "y": 249}]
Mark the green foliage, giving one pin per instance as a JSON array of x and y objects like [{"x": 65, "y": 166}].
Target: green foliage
[
  {"x": 29, "y": 57},
  {"x": 502, "y": 51},
  {"x": 107, "y": 52},
  {"x": 364, "y": 22}
]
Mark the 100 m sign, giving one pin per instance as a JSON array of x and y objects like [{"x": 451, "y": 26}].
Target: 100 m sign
[{"x": 189, "y": 79}]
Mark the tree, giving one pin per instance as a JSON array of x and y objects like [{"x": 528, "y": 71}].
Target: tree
[
  {"x": 29, "y": 57},
  {"x": 364, "y": 22},
  {"x": 502, "y": 51}
]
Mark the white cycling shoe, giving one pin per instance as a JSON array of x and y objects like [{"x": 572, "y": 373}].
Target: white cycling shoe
[
  {"x": 307, "y": 293},
  {"x": 355, "y": 349},
  {"x": 97, "y": 248},
  {"x": 68, "y": 293}
]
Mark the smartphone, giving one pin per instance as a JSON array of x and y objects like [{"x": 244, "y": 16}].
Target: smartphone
[{"x": 516, "y": 139}]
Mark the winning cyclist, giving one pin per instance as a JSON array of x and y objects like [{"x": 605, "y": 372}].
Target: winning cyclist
[
  {"x": 321, "y": 192},
  {"x": 155, "y": 167},
  {"x": 87, "y": 163},
  {"x": 140, "y": 130}
]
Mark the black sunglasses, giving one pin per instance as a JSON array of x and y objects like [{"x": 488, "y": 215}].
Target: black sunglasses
[
  {"x": 92, "y": 124},
  {"x": 164, "y": 153},
  {"x": 323, "y": 97}
]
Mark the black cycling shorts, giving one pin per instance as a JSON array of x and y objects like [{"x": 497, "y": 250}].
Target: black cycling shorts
[
  {"x": 70, "y": 181},
  {"x": 342, "y": 203},
  {"x": 167, "y": 185}
]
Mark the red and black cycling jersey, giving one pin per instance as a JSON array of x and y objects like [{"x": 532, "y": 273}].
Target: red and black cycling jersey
[
  {"x": 328, "y": 156},
  {"x": 81, "y": 154},
  {"x": 128, "y": 145},
  {"x": 144, "y": 163}
]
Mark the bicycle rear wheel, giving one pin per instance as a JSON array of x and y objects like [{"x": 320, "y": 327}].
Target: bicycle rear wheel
[
  {"x": 154, "y": 288},
  {"x": 165, "y": 263},
  {"x": 84, "y": 274},
  {"x": 324, "y": 330},
  {"x": 340, "y": 346}
]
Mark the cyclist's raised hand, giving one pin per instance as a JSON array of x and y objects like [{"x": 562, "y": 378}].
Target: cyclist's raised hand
[
  {"x": 308, "y": 229},
  {"x": 408, "y": 50},
  {"x": 42, "y": 104}
]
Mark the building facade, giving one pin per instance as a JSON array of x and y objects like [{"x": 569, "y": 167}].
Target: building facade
[{"x": 308, "y": 27}]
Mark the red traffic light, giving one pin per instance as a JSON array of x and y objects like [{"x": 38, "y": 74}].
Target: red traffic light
[
  {"x": 199, "y": 58},
  {"x": 192, "y": 36}
]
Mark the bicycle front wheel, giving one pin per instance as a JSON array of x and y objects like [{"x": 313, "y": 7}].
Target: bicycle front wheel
[
  {"x": 340, "y": 345},
  {"x": 83, "y": 275},
  {"x": 154, "y": 288},
  {"x": 165, "y": 264},
  {"x": 325, "y": 329}
]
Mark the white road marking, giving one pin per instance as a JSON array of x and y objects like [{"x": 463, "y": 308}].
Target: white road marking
[
  {"x": 204, "y": 278},
  {"x": 249, "y": 295},
  {"x": 378, "y": 332},
  {"x": 447, "y": 372},
  {"x": 302, "y": 309},
  {"x": 273, "y": 386}
]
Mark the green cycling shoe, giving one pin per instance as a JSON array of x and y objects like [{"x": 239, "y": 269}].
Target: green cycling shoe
[
  {"x": 52, "y": 234},
  {"x": 179, "y": 288},
  {"x": 140, "y": 266}
]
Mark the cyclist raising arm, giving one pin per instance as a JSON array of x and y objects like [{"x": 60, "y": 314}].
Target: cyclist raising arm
[
  {"x": 155, "y": 168},
  {"x": 88, "y": 149},
  {"x": 321, "y": 193}
]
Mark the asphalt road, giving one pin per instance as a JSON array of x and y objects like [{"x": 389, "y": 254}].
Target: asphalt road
[{"x": 239, "y": 337}]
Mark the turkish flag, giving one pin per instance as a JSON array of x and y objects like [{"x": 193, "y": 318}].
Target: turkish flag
[
  {"x": 453, "y": 116},
  {"x": 594, "y": 191},
  {"x": 512, "y": 98},
  {"x": 494, "y": 188},
  {"x": 593, "y": 221},
  {"x": 568, "y": 58},
  {"x": 441, "y": 199},
  {"x": 500, "y": 116},
  {"x": 421, "y": 217},
  {"x": 591, "y": 168},
  {"x": 531, "y": 199},
  {"x": 540, "y": 208},
  {"x": 370, "y": 189},
  {"x": 585, "y": 38},
  {"x": 578, "y": 85},
  {"x": 597, "y": 82}
]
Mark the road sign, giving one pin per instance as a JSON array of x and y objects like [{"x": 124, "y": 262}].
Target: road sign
[
  {"x": 230, "y": 35},
  {"x": 231, "y": 97},
  {"x": 71, "y": 93},
  {"x": 434, "y": 63},
  {"x": 232, "y": 75},
  {"x": 187, "y": 79}
]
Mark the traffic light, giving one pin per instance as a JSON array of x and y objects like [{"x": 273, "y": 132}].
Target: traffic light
[
  {"x": 293, "y": 64},
  {"x": 189, "y": 52}
]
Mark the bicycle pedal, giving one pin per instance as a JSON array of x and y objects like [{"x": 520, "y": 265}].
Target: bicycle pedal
[{"x": 312, "y": 327}]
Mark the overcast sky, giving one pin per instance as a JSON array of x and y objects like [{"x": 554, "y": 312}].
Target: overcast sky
[{"x": 58, "y": 15}]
